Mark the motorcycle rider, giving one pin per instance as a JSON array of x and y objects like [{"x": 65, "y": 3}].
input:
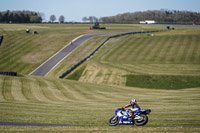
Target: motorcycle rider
[{"x": 134, "y": 105}]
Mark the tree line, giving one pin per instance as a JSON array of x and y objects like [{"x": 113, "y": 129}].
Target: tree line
[
  {"x": 20, "y": 17},
  {"x": 160, "y": 16},
  {"x": 26, "y": 17},
  {"x": 53, "y": 18}
]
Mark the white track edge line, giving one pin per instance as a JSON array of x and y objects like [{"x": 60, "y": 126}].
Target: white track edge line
[{"x": 55, "y": 54}]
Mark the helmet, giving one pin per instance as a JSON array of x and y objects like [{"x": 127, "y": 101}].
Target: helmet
[{"x": 132, "y": 101}]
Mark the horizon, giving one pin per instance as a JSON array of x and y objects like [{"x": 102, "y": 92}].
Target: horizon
[{"x": 75, "y": 10}]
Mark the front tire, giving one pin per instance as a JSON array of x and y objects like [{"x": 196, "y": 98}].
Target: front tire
[
  {"x": 142, "y": 121},
  {"x": 114, "y": 121}
]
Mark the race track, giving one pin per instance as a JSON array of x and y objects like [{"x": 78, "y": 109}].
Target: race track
[
  {"x": 39, "y": 124},
  {"x": 48, "y": 124},
  {"x": 48, "y": 65}
]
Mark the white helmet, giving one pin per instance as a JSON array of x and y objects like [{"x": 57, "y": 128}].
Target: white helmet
[{"x": 132, "y": 101}]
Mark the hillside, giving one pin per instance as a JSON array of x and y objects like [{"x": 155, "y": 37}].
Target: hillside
[
  {"x": 172, "y": 53},
  {"x": 50, "y": 100},
  {"x": 98, "y": 86},
  {"x": 22, "y": 53}
]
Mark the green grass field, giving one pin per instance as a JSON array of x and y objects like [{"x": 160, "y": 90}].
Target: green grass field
[
  {"x": 101, "y": 82},
  {"x": 24, "y": 52},
  {"x": 172, "y": 53},
  {"x": 50, "y": 100}
]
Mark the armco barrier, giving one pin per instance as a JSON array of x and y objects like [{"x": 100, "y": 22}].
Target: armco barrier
[
  {"x": 83, "y": 60},
  {"x": 8, "y": 73},
  {"x": 1, "y": 39}
]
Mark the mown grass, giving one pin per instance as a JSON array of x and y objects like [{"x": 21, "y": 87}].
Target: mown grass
[
  {"x": 22, "y": 53},
  {"x": 163, "y": 81},
  {"x": 77, "y": 74},
  {"x": 50, "y": 100},
  {"x": 174, "y": 53},
  {"x": 160, "y": 49}
]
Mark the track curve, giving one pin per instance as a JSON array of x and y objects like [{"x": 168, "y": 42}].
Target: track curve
[{"x": 48, "y": 65}]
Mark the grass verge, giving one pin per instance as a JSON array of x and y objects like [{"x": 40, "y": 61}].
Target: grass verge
[
  {"x": 163, "y": 81},
  {"x": 77, "y": 74}
]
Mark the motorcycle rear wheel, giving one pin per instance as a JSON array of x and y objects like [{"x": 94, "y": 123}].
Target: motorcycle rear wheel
[
  {"x": 143, "y": 121},
  {"x": 114, "y": 121}
]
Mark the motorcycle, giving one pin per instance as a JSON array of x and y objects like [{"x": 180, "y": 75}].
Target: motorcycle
[{"x": 130, "y": 117}]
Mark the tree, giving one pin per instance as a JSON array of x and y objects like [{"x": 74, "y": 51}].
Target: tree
[
  {"x": 85, "y": 19},
  {"x": 92, "y": 19},
  {"x": 52, "y": 18},
  {"x": 19, "y": 17},
  {"x": 61, "y": 19},
  {"x": 1, "y": 17},
  {"x": 35, "y": 19},
  {"x": 160, "y": 16},
  {"x": 41, "y": 15}
]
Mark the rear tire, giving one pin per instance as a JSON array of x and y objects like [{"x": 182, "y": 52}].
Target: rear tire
[
  {"x": 114, "y": 121},
  {"x": 143, "y": 121}
]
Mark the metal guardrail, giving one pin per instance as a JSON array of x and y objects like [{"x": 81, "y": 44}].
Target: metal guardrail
[
  {"x": 83, "y": 60},
  {"x": 1, "y": 39},
  {"x": 8, "y": 73}
]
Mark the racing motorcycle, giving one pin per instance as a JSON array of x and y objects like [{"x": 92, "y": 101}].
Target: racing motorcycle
[{"x": 130, "y": 117}]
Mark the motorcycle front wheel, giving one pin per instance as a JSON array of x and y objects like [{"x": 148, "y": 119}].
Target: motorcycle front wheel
[
  {"x": 142, "y": 121},
  {"x": 114, "y": 121}
]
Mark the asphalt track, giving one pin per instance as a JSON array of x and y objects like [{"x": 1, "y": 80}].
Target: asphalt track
[
  {"x": 74, "y": 125},
  {"x": 48, "y": 65},
  {"x": 40, "y": 124}
]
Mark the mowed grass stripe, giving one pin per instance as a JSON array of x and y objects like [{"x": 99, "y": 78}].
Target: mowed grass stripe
[
  {"x": 158, "y": 50},
  {"x": 81, "y": 92},
  {"x": 14, "y": 41},
  {"x": 124, "y": 56},
  {"x": 196, "y": 53},
  {"x": 153, "y": 43},
  {"x": 14, "y": 53},
  {"x": 155, "y": 50},
  {"x": 120, "y": 48},
  {"x": 168, "y": 69},
  {"x": 65, "y": 90},
  {"x": 37, "y": 91},
  {"x": 101, "y": 75},
  {"x": 27, "y": 91},
  {"x": 141, "y": 53},
  {"x": 17, "y": 90},
  {"x": 175, "y": 46},
  {"x": 164, "y": 51},
  {"x": 1, "y": 88},
  {"x": 6, "y": 90},
  {"x": 99, "y": 101},
  {"x": 48, "y": 93},
  {"x": 141, "y": 46},
  {"x": 187, "y": 48},
  {"x": 192, "y": 45},
  {"x": 180, "y": 49},
  {"x": 136, "y": 45},
  {"x": 54, "y": 93},
  {"x": 87, "y": 92}
]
